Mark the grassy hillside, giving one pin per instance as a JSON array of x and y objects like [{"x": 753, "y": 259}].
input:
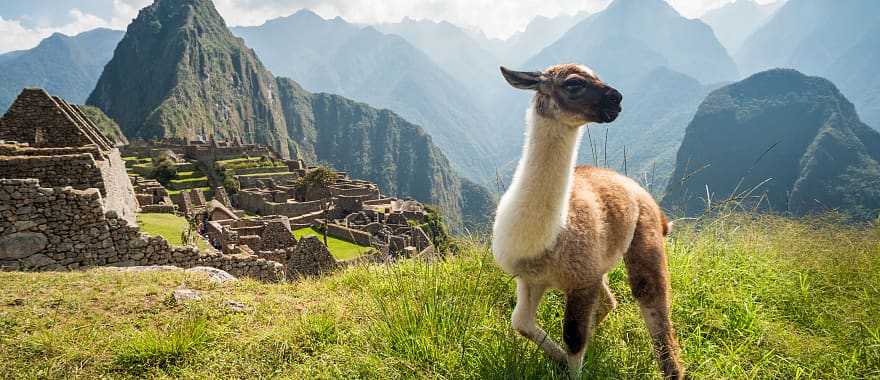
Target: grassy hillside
[{"x": 753, "y": 298}]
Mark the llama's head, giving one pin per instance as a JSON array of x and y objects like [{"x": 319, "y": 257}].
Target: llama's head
[{"x": 569, "y": 93}]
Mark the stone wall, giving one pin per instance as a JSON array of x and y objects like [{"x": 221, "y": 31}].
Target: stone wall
[
  {"x": 79, "y": 171},
  {"x": 220, "y": 195},
  {"x": 159, "y": 209},
  {"x": 254, "y": 201},
  {"x": 310, "y": 258},
  {"x": 60, "y": 229},
  {"x": 349, "y": 235},
  {"x": 12, "y": 148},
  {"x": 252, "y": 181},
  {"x": 208, "y": 153},
  {"x": 119, "y": 195}
]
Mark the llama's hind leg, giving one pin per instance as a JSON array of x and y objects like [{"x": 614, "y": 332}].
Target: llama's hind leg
[
  {"x": 607, "y": 302},
  {"x": 649, "y": 281},
  {"x": 528, "y": 297},
  {"x": 581, "y": 308}
]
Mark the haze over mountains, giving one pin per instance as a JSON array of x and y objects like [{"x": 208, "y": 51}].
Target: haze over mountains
[
  {"x": 63, "y": 65},
  {"x": 836, "y": 39},
  {"x": 383, "y": 70},
  {"x": 736, "y": 21},
  {"x": 179, "y": 72}
]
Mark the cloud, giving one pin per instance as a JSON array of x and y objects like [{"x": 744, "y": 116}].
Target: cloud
[
  {"x": 495, "y": 18},
  {"x": 14, "y": 35}
]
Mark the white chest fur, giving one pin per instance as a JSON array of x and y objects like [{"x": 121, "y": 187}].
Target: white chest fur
[{"x": 534, "y": 210}]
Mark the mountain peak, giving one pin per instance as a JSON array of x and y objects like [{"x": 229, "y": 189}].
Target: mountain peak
[
  {"x": 306, "y": 13},
  {"x": 643, "y": 6}
]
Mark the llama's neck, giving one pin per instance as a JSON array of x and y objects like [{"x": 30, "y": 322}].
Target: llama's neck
[{"x": 534, "y": 209}]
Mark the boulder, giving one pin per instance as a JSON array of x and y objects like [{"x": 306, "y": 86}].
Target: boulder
[
  {"x": 183, "y": 294},
  {"x": 216, "y": 275},
  {"x": 21, "y": 245}
]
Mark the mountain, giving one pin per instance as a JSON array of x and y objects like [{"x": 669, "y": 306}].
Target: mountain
[
  {"x": 855, "y": 72},
  {"x": 66, "y": 66},
  {"x": 835, "y": 39},
  {"x": 539, "y": 33},
  {"x": 382, "y": 70},
  {"x": 180, "y": 72},
  {"x": 456, "y": 51},
  {"x": 794, "y": 139},
  {"x": 736, "y": 21},
  {"x": 631, "y": 38}
]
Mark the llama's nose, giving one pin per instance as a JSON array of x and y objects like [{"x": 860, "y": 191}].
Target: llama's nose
[{"x": 613, "y": 96}]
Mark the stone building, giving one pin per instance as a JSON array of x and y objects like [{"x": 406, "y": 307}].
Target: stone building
[{"x": 48, "y": 139}]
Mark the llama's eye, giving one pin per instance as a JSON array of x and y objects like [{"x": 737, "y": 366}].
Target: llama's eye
[{"x": 574, "y": 86}]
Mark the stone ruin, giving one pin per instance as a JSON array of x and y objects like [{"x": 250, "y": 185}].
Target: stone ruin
[
  {"x": 45, "y": 138},
  {"x": 268, "y": 237},
  {"x": 190, "y": 202},
  {"x": 66, "y": 201},
  {"x": 205, "y": 152},
  {"x": 152, "y": 196},
  {"x": 350, "y": 210},
  {"x": 59, "y": 229}
]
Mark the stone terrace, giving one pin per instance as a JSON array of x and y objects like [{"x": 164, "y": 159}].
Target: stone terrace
[{"x": 46, "y": 138}]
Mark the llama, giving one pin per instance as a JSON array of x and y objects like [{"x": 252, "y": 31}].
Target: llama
[{"x": 564, "y": 227}]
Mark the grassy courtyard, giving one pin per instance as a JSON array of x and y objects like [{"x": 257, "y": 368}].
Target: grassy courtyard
[
  {"x": 168, "y": 226},
  {"x": 340, "y": 249},
  {"x": 753, "y": 298}
]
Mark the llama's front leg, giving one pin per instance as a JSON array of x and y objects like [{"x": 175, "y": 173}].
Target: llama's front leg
[
  {"x": 580, "y": 321},
  {"x": 528, "y": 297}
]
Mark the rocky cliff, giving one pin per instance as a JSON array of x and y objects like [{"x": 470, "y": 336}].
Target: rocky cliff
[{"x": 781, "y": 141}]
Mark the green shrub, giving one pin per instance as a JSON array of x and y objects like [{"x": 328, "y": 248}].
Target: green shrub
[
  {"x": 164, "y": 167},
  {"x": 162, "y": 350}
]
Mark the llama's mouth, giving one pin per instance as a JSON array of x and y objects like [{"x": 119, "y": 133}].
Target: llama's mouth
[{"x": 609, "y": 115}]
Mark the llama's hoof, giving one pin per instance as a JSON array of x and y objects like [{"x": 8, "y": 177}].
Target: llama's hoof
[{"x": 574, "y": 363}]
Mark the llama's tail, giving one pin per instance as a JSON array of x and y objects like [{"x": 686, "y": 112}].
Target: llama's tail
[{"x": 667, "y": 224}]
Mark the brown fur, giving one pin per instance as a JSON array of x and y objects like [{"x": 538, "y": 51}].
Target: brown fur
[{"x": 610, "y": 217}]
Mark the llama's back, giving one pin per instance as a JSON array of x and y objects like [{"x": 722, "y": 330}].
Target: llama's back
[{"x": 621, "y": 201}]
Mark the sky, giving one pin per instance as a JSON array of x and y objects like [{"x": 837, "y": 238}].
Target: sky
[{"x": 23, "y": 23}]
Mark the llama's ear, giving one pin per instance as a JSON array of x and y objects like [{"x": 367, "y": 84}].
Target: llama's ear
[{"x": 523, "y": 80}]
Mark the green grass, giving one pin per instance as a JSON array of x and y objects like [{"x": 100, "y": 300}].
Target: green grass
[
  {"x": 168, "y": 226},
  {"x": 247, "y": 163},
  {"x": 188, "y": 183},
  {"x": 340, "y": 249},
  {"x": 206, "y": 189},
  {"x": 760, "y": 298},
  {"x": 190, "y": 175},
  {"x": 265, "y": 174}
]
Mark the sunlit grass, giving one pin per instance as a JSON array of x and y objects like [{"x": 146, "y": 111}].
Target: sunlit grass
[
  {"x": 340, "y": 249},
  {"x": 759, "y": 298},
  {"x": 168, "y": 226}
]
